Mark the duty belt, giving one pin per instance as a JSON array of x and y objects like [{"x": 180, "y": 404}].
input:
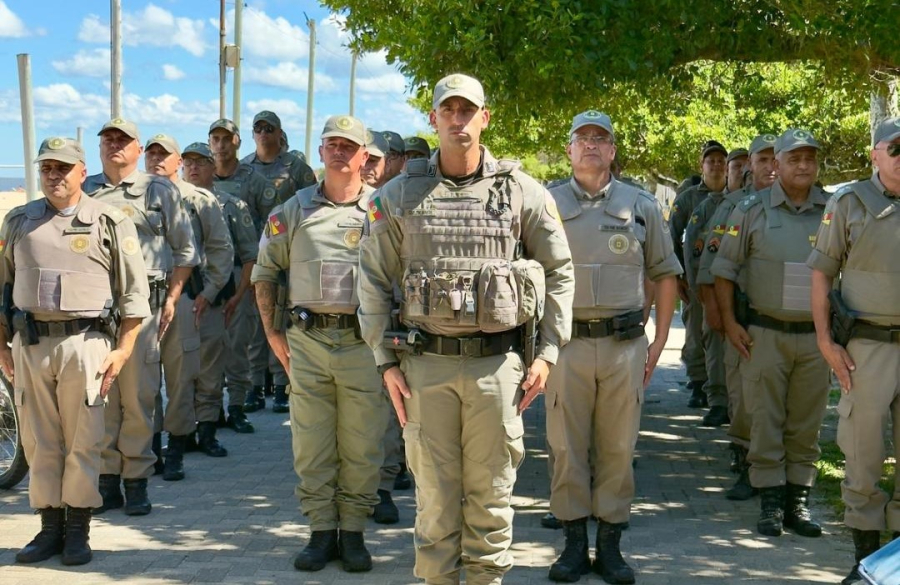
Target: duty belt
[
  {"x": 766, "y": 322},
  {"x": 476, "y": 346},
  {"x": 593, "y": 329},
  {"x": 882, "y": 333},
  {"x": 63, "y": 328},
  {"x": 624, "y": 327},
  {"x": 306, "y": 319}
]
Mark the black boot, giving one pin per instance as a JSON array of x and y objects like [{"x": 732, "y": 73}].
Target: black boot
[
  {"x": 174, "y": 467},
  {"x": 737, "y": 453},
  {"x": 402, "y": 481},
  {"x": 550, "y": 521},
  {"x": 137, "y": 502},
  {"x": 716, "y": 417},
  {"x": 255, "y": 400},
  {"x": 865, "y": 542},
  {"x": 322, "y": 547},
  {"x": 280, "y": 402},
  {"x": 796, "y": 512},
  {"x": 190, "y": 443},
  {"x": 206, "y": 440},
  {"x": 386, "y": 511},
  {"x": 609, "y": 563},
  {"x": 698, "y": 396},
  {"x": 742, "y": 489},
  {"x": 237, "y": 420},
  {"x": 49, "y": 541},
  {"x": 771, "y": 517},
  {"x": 77, "y": 551},
  {"x": 574, "y": 560},
  {"x": 354, "y": 556},
  {"x": 221, "y": 422},
  {"x": 156, "y": 447},
  {"x": 111, "y": 492}
]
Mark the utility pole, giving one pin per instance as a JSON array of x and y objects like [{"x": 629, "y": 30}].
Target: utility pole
[
  {"x": 79, "y": 135},
  {"x": 238, "y": 41},
  {"x": 311, "y": 84},
  {"x": 353, "y": 83},
  {"x": 27, "y": 124},
  {"x": 222, "y": 68},
  {"x": 115, "y": 52}
]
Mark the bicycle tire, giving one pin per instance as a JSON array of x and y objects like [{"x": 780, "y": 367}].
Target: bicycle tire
[{"x": 13, "y": 466}]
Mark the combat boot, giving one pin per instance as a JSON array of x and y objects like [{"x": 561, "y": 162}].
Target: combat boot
[
  {"x": 354, "y": 556},
  {"x": 402, "y": 481},
  {"x": 865, "y": 542},
  {"x": 206, "y": 440},
  {"x": 386, "y": 511},
  {"x": 156, "y": 447},
  {"x": 549, "y": 520},
  {"x": 742, "y": 489},
  {"x": 77, "y": 551},
  {"x": 771, "y": 518},
  {"x": 280, "y": 402},
  {"x": 174, "y": 466},
  {"x": 736, "y": 457},
  {"x": 609, "y": 563},
  {"x": 111, "y": 492},
  {"x": 137, "y": 502},
  {"x": 796, "y": 512},
  {"x": 698, "y": 396},
  {"x": 716, "y": 417},
  {"x": 322, "y": 547},
  {"x": 255, "y": 400},
  {"x": 237, "y": 420},
  {"x": 221, "y": 422},
  {"x": 49, "y": 541},
  {"x": 574, "y": 560}
]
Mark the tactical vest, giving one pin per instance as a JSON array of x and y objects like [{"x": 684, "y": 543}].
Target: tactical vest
[
  {"x": 62, "y": 268},
  {"x": 234, "y": 184},
  {"x": 778, "y": 280},
  {"x": 280, "y": 186},
  {"x": 870, "y": 277}
]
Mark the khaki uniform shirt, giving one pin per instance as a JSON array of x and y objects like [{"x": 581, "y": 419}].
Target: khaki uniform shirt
[
  {"x": 717, "y": 227},
  {"x": 858, "y": 239},
  {"x": 211, "y": 237},
  {"x": 422, "y": 223},
  {"x": 243, "y": 232},
  {"x": 680, "y": 215},
  {"x": 770, "y": 239},
  {"x": 284, "y": 176},
  {"x": 617, "y": 237},
  {"x": 68, "y": 266}
]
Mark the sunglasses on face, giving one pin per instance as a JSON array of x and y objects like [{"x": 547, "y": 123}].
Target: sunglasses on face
[
  {"x": 264, "y": 128},
  {"x": 893, "y": 149}
]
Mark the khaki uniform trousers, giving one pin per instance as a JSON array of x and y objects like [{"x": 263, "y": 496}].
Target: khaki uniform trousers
[
  {"x": 130, "y": 408},
  {"x": 57, "y": 392},
  {"x": 692, "y": 353},
  {"x": 208, "y": 383},
  {"x": 393, "y": 452},
  {"x": 180, "y": 349},
  {"x": 464, "y": 443},
  {"x": 237, "y": 356},
  {"x": 594, "y": 398},
  {"x": 739, "y": 429},
  {"x": 713, "y": 350},
  {"x": 261, "y": 358},
  {"x": 864, "y": 414},
  {"x": 338, "y": 415},
  {"x": 785, "y": 384}
]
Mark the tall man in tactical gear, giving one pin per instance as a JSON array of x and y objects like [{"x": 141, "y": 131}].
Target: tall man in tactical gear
[
  {"x": 595, "y": 392},
  {"x": 785, "y": 378},
  {"x": 67, "y": 263},
  {"x": 338, "y": 408},
  {"x": 857, "y": 245},
  {"x": 167, "y": 243},
  {"x": 476, "y": 248}
]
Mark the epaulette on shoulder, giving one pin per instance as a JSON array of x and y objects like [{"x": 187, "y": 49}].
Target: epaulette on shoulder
[
  {"x": 35, "y": 209},
  {"x": 115, "y": 215},
  {"x": 16, "y": 211},
  {"x": 846, "y": 189},
  {"x": 508, "y": 165},
  {"x": 749, "y": 201}
]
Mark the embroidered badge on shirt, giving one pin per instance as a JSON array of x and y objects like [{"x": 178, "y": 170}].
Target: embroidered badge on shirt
[
  {"x": 351, "y": 237},
  {"x": 826, "y": 219},
  {"x": 80, "y": 244},
  {"x": 719, "y": 229},
  {"x": 376, "y": 210},
  {"x": 618, "y": 244},
  {"x": 130, "y": 246},
  {"x": 275, "y": 225},
  {"x": 734, "y": 230}
]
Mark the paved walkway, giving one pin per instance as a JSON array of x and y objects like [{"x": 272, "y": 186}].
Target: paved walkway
[{"x": 235, "y": 520}]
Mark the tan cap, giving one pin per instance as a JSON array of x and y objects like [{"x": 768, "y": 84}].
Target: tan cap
[
  {"x": 267, "y": 116},
  {"x": 762, "y": 142},
  {"x": 166, "y": 141},
  {"x": 736, "y": 153},
  {"x": 199, "y": 148},
  {"x": 794, "y": 138},
  {"x": 345, "y": 127},
  {"x": 458, "y": 85},
  {"x": 376, "y": 144},
  {"x": 592, "y": 118},
  {"x": 887, "y": 131},
  {"x": 416, "y": 144},
  {"x": 129, "y": 128},
  {"x": 225, "y": 124},
  {"x": 66, "y": 150}
]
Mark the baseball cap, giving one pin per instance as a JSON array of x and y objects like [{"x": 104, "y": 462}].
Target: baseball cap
[
  {"x": 458, "y": 85},
  {"x": 736, "y": 153},
  {"x": 67, "y": 150},
  {"x": 225, "y": 124},
  {"x": 416, "y": 144},
  {"x": 345, "y": 127},
  {"x": 592, "y": 118},
  {"x": 164, "y": 140},
  {"x": 267, "y": 116},
  {"x": 794, "y": 138},
  {"x": 394, "y": 140},
  {"x": 129, "y": 128},
  {"x": 376, "y": 144},
  {"x": 762, "y": 142},
  {"x": 711, "y": 146},
  {"x": 887, "y": 131},
  {"x": 200, "y": 148}
]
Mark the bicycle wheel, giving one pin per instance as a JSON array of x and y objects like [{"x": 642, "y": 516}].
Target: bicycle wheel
[{"x": 13, "y": 466}]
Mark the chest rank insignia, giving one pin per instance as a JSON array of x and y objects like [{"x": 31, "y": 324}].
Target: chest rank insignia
[
  {"x": 80, "y": 244},
  {"x": 618, "y": 244},
  {"x": 351, "y": 237}
]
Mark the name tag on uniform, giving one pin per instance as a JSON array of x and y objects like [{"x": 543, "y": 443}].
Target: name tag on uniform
[
  {"x": 615, "y": 228},
  {"x": 455, "y": 195},
  {"x": 77, "y": 230}
]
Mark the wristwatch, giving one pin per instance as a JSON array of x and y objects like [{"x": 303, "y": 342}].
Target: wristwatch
[{"x": 385, "y": 367}]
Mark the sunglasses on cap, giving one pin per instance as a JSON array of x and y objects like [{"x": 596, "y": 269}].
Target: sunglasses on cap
[
  {"x": 267, "y": 128},
  {"x": 892, "y": 150}
]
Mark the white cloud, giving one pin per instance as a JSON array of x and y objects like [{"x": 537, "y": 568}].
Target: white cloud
[
  {"x": 390, "y": 83},
  {"x": 93, "y": 63},
  {"x": 289, "y": 76},
  {"x": 393, "y": 115},
  {"x": 172, "y": 73},
  {"x": 270, "y": 38},
  {"x": 10, "y": 24},
  {"x": 154, "y": 26}
]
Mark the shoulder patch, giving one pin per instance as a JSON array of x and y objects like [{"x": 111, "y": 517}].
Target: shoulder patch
[
  {"x": 550, "y": 207},
  {"x": 276, "y": 225},
  {"x": 376, "y": 210},
  {"x": 130, "y": 246},
  {"x": 734, "y": 230}
]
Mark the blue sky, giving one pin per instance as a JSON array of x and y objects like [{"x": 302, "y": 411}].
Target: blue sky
[{"x": 170, "y": 76}]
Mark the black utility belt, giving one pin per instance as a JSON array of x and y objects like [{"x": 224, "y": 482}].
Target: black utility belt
[
  {"x": 766, "y": 322},
  {"x": 882, "y": 333},
  {"x": 474, "y": 346},
  {"x": 63, "y": 328},
  {"x": 624, "y": 327},
  {"x": 306, "y": 319}
]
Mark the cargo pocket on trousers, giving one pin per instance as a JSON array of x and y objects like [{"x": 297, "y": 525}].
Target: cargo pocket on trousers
[
  {"x": 190, "y": 344},
  {"x": 515, "y": 446},
  {"x": 151, "y": 356},
  {"x": 845, "y": 435},
  {"x": 416, "y": 447}
]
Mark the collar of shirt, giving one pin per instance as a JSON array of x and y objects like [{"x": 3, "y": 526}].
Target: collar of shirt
[
  {"x": 779, "y": 197},
  {"x": 129, "y": 180},
  {"x": 581, "y": 193},
  {"x": 876, "y": 180}
]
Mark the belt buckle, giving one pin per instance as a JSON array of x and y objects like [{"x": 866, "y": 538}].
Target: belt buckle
[
  {"x": 56, "y": 328},
  {"x": 470, "y": 347},
  {"x": 332, "y": 321}
]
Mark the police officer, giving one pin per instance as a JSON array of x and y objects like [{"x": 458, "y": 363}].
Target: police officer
[
  {"x": 338, "y": 408},
  {"x": 736, "y": 164},
  {"x": 467, "y": 293},
  {"x": 66, "y": 262},
  {"x": 762, "y": 175},
  {"x": 375, "y": 168},
  {"x": 712, "y": 160},
  {"x": 857, "y": 245},
  {"x": 199, "y": 170},
  {"x": 395, "y": 156},
  {"x": 190, "y": 354},
  {"x": 595, "y": 392},
  {"x": 785, "y": 378},
  {"x": 164, "y": 231}
]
